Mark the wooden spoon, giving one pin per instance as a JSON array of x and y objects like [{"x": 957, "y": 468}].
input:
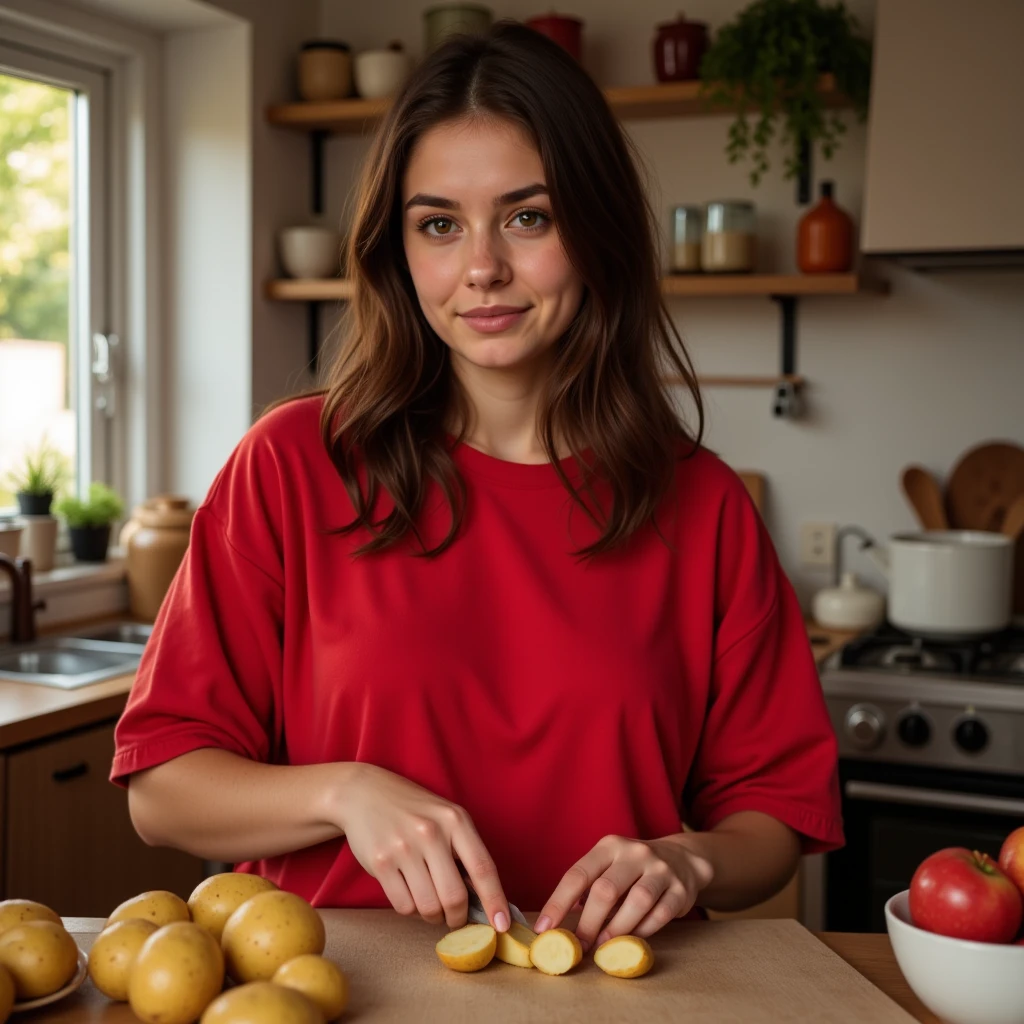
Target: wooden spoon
[
  {"x": 925, "y": 496},
  {"x": 1013, "y": 524}
]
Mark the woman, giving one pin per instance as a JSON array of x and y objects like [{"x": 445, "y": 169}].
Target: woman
[{"x": 485, "y": 602}]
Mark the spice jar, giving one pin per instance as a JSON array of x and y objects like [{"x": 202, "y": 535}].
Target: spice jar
[
  {"x": 729, "y": 244},
  {"x": 325, "y": 70},
  {"x": 687, "y": 229}
]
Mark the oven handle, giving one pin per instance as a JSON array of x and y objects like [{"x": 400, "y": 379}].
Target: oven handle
[{"x": 933, "y": 798}]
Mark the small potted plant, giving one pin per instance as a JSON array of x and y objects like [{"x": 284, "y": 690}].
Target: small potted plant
[
  {"x": 768, "y": 60},
  {"x": 89, "y": 521},
  {"x": 42, "y": 474}
]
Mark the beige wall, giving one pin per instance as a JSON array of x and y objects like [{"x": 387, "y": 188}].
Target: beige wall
[{"x": 917, "y": 376}]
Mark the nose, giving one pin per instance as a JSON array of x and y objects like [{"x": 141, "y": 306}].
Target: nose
[{"x": 487, "y": 264}]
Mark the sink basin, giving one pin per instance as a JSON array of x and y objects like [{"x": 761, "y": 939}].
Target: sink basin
[
  {"x": 118, "y": 633},
  {"x": 67, "y": 663}
]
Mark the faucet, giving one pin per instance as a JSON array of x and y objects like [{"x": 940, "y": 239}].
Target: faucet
[{"x": 23, "y": 620}]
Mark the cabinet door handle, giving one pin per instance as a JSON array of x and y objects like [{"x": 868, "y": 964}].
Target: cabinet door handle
[{"x": 74, "y": 772}]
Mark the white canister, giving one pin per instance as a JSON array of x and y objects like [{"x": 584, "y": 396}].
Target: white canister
[
  {"x": 39, "y": 541},
  {"x": 849, "y": 606},
  {"x": 381, "y": 73},
  {"x": 310, "y": 252}
]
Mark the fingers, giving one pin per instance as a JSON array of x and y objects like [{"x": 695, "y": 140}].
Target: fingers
[
  {"x": 421, "y": 885},
  {"x": 673, "y": 904},
  {"x": 575, "y": 882},
  {"x": 623, "y": 876},
  {"x": 483, "y": 873},
  {"x": 654, "y": 900},
  {"x": 397, "y": 891},
  {"x": 449, "y": 886}
]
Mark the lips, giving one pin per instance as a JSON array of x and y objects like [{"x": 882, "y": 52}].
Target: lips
[
  {"x": 493, "y": 319},
  {"x": 480, "y": 311}
]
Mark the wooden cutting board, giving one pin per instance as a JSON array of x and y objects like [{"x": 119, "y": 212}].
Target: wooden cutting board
[{"x": 721, "y": 972}]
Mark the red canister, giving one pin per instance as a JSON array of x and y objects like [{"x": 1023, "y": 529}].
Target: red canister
[
  {"x": 563, "y": 29},
  {"x": 678, "y": 49}
]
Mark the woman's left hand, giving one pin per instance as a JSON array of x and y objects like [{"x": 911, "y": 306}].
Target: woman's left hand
[{"x": 646, "y": 883}]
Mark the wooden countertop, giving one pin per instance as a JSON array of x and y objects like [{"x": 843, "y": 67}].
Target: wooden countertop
[{"x": 385, "y": 982}]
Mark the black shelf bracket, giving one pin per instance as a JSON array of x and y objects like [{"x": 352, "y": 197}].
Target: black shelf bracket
[
  {"x": 316, "y": 168},
  {"x": 803, "y": 181},
  {"x": 787, "y": 402},
  {"x": 313, "y": 335}
]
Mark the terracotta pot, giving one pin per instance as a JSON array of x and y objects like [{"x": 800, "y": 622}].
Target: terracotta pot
[
  {"x": 566, "y": 31},
  {"x": 825, "y": 237},
  {"x": 157, "y": 538},
  {"x": 678, "y": 50}
]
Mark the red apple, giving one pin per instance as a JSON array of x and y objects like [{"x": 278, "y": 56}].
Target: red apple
[
  {"x": 1011, "y": 857},
  {"x": 963, "y": 894}
]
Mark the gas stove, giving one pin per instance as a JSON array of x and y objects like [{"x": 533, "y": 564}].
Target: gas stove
[{"x": 896, "y": 698}]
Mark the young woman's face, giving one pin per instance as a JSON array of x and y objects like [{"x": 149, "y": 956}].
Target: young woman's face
[{"x": 484, "y": 252}]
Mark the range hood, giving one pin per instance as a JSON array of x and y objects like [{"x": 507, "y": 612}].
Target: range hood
[{"x": 945, "y": 151}]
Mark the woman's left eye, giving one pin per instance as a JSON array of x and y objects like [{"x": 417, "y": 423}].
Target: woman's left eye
[{"x": 531, "y": 219}]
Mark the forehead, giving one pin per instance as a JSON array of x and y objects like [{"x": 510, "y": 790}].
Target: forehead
[{"x": 481, "y": 156}]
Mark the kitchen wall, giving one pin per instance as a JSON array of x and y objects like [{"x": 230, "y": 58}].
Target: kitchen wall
[{"x": 918, "y": 375}]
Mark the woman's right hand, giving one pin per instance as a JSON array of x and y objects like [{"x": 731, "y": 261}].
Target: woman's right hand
[{"x": 409, "y": 838}]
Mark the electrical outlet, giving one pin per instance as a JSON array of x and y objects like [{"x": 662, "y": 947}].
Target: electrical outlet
[{"x": 817, "y": 545}]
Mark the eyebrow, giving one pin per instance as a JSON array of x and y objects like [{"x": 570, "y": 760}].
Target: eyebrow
[{"x": 507, "y": 199}]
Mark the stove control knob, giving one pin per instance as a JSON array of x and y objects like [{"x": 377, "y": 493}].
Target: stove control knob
[
  {"x": 971, "y": 735},
  {"x": 865, "y": 725},
  {"x": 914, "y": 729}
]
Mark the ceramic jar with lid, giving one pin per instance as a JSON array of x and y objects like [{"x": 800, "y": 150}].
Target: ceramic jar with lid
[
  {"x": 325, "y": 70},
  {"x": 848, "y": 606},
  {"x": 445, "y": 20},
  {"x": 729, "y": 245},
  {"x": 679, "y": 48},
  {"x": 156, "y": 538}
]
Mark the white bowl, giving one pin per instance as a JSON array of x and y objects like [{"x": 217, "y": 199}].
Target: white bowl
[
  {"x": 310, "y": 252},
  {"x": 962, "y": 982},
  {"x": 380, "y": 73}
]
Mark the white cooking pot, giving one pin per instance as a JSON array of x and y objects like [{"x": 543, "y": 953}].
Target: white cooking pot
[{"x": 948, "y": 584}]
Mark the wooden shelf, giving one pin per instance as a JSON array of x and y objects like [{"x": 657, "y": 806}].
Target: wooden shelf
[
  {"x": 677, "y": 285},
  {"x": 672, "y": 99}
]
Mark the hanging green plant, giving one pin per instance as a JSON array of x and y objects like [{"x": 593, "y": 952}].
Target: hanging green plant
[{"x": 768, "y": 60}]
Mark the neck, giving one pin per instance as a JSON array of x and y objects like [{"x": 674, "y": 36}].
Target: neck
[{"x": 503, "y": 407}]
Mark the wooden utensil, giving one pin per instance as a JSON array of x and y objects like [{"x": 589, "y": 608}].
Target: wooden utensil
[
  {"x": 983, "y": 485},
  {"x": 925, "y": 496}
]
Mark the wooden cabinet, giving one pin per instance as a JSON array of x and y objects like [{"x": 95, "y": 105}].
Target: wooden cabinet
[
  {"x": 945, "y": 153},
  {"x": 68, "y": 837}
]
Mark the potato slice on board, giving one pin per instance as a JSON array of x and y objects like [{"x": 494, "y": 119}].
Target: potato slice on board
[
  {"x": 556, "y": 951},
  {"x": 625, "y": 956},
  {"x": 470, "y": 948},
  {"x": 514, "y": 945}
]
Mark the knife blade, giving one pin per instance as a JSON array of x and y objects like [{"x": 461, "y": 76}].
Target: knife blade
[{"x": 477, "y": 913}]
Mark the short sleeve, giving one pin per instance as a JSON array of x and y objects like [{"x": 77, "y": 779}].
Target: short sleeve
[
  {"x": 211, "y": 672},
  {"x": 767, "y": 743}
]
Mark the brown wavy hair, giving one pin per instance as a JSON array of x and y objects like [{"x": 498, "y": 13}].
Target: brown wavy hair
[{"x": 391, "y": 394}]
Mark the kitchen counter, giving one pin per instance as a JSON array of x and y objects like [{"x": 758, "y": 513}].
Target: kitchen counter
[{"x": 395, "y": 977}]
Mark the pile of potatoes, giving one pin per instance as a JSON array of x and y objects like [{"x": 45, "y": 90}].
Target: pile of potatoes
[
  {"x": 555, "y": 952},
  {"x": 37, "y": 956},
  {"x": 168, "y": 959}
]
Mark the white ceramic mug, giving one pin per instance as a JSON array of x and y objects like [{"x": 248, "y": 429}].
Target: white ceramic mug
[
  {"x": 39, "y": 541},
  {"x": 310, "y": 252}
]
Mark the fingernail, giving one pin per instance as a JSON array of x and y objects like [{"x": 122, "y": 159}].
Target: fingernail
[
  {"x": 603, "y": 938},
  {"x": 501, "y": 921},
  {"x": 542, "y": 925}
]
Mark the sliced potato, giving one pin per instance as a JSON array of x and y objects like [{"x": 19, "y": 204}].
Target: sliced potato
[
  {"x": 514, "y": 945},
  {"x": 556, "y": 951},
  {"x": 625, "y": 956},
  {"x": 468, "y": 949}
]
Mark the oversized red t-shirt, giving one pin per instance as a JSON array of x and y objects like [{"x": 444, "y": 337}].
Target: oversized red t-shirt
[{"x": 557, "y": 700}]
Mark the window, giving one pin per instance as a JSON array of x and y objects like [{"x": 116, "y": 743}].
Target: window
[{"x": 57, "y": 363}]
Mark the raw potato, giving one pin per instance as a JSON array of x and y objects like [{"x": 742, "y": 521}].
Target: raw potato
[
  {"x": 319, "y": 980},
  {"x": 113, "y": 955},
  {"x": 470, "y": 948},
  {"x": 216, "y": 898},
  {"x": 159, "y": 906},
  {"x": 261, "y": 1002},
  {"x": 15, "y": 912},
  {"x": 268, "y": 930},
  {"x": 625, "y": 956},
  {"x": 556, "y": 951},
  {"x": 514, "y": 945},
  {"x": 41, "y": 957},
  {"x": 6, "y": 994},
  {"x": 178, "y": 972}
]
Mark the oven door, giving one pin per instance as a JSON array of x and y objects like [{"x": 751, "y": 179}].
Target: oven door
[{"x": 894, "y": 816}]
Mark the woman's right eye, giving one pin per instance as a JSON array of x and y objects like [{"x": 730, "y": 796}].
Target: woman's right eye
[{"x": 442, "y": 225}]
